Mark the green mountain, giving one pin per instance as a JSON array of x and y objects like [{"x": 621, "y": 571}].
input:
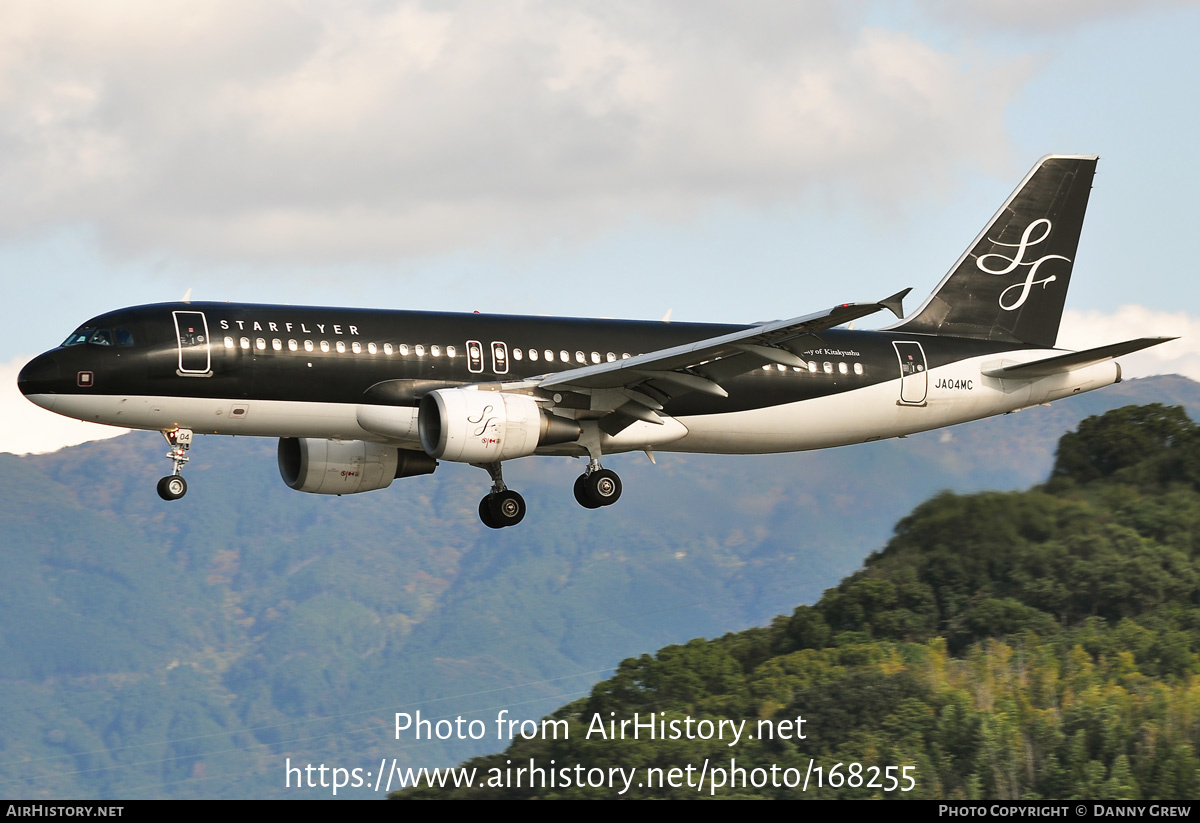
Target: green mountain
[
  {"x": 195, "y": 649},
  {"x": 1024, "y": 645}
]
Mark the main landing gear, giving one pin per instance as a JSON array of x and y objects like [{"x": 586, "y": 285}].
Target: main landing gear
[
  {"x": 502, "y": 507},
  {"x": 597, "y": 486},
  {"x": 173, "y": 486}
]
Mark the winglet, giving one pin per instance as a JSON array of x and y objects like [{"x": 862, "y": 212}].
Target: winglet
[{"x": 895, "y": 303}]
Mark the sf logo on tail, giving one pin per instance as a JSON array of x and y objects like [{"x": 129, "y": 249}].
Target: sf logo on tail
[{"x": 1027, "y": 240}]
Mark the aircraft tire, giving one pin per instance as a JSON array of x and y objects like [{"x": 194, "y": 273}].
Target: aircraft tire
[
  {"x": 172, "y": 487},
  {"x": 485, "y": 513},
  {"x": 581, "y": 493},
  {"x": 507, "y": 508},
  {"x": 603, "y": 487}
]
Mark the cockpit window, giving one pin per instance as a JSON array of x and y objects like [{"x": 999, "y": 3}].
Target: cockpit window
[{"x": 99, "y": 337}]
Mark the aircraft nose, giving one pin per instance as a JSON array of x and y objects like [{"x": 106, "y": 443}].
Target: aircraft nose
[{"x": 38, "y": 381}]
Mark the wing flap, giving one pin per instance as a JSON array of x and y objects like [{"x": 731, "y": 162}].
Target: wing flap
[{"x": 700, "y": 366}]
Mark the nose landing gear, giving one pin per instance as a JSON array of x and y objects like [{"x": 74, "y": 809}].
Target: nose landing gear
[{"x": 173, "y": 486}]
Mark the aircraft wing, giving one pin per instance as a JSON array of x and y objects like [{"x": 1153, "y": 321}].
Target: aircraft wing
[
  {"x": 1073, "y": 360},
  {"x": 637, "y": 387}
]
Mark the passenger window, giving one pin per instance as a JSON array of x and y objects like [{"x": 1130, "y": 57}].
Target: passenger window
[
  {"x": 419, "y": 350},
  {"x": 436, "y": 351},
  {"x": 625, "y": 355},
  {"x": 372, "y": 348},
  {"x": 293, "y": 345},
  {"x": 387, "y": 348},
  {"x": 564, "y": 356},
  {"x": 858, "y": 368},
  {"x": 451, "y": 352},
  {"x": 340, "y": 346},
  {"x": 260, "y": 344},
  {"x": 595, "y": 357},
  {"x": 308, "y": 345},
  {"x": 356, "y": 347},
  {"x": 842, "y": 369},
  {"x": 533, "y": 355},
  {"x": 404, "y": 350},
  {"x": 229, "y": 342},
  {"x": 517, "y": 354},
  {"x": 827, "y": 368},
  {"x": 324, "y": 345},
  {"x": 549, "y": 356},
  {"x": 245, "y": 342},
  {"x": 812, "y": 366},
  {"x": 610, "y": 357}
]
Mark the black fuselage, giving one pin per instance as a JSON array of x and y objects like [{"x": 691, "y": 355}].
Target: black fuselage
[{"x": 330, "y": 355}]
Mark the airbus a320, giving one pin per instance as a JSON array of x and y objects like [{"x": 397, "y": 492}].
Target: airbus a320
[{"x": 359, "y": 398}]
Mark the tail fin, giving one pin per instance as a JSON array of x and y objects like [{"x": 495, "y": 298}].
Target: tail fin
[{"x": 1011, "y": 284}]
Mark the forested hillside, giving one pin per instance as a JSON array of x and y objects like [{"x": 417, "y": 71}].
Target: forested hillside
[
  {"x": 1037, "y": 644},
  {"x": 191, "y": 649}
]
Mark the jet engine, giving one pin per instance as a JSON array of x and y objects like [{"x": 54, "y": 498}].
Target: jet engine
[
  {"x": 471, "y": 426},
  {"x": 346, "y": 466}
]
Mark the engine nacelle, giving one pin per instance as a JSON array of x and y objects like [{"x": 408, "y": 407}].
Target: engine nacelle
[
  {"x": 346, "y": 466},
  {"x": 470, "y": 426}
]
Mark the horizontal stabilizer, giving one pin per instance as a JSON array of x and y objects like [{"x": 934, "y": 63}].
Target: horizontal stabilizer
[{"x": 1074, "y": 360}]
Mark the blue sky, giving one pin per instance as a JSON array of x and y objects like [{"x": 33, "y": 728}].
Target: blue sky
[{"x": 592, "y": 159}]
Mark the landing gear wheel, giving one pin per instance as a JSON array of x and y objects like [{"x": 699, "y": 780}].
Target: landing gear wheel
[
  {"x": 600, "y": 488},
  {"x": 581, "y": 493},
  {"x": 501, "y": 509},
  {"x": 172, "y": 487},
  {"x": 508, "y": 507},
  {"x": 604, "y": 487},
  {"x": 485, "y": 513}
]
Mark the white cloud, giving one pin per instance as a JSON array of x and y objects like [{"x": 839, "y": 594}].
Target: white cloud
[
  {"x": 308, "y": 131},
  {"x": 1038, "y": 15},
  {"x": 30, "y": 429},
  {"x": 1088, "y": 329}
]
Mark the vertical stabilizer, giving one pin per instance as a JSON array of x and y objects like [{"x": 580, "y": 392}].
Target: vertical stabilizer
[{"x": 1011, "y": 284}]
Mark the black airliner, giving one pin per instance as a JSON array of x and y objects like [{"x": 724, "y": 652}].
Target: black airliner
[{"x": 360, "y": 397}]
